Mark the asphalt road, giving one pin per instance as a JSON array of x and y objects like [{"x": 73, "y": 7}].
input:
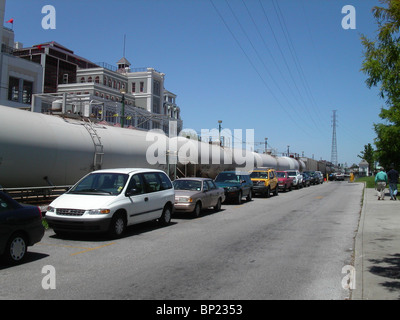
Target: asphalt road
[{"x": 292, "y": 246}]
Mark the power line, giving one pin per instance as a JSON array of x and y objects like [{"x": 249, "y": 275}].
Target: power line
[
  {"x": 254, "y": 67},
  {"x": 293, "y": 53}
]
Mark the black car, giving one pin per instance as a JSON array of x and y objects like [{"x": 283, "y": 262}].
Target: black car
[
  {"x": 236, "y": 185},
  {"x": 313, "y": 177},
  {"x": 20, "y": 226},
  {"x": 306, "y": 179}
]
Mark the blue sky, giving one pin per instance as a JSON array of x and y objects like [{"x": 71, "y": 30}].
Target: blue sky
[{"x": 279, "y": 67}]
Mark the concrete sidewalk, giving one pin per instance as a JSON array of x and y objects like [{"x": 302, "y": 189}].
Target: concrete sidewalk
[{"x": 377, "y": 249}]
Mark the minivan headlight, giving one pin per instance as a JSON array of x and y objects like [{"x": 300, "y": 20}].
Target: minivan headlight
[
  {"x": 99, "y": 211},
  {"x": 51, "y": 209}
]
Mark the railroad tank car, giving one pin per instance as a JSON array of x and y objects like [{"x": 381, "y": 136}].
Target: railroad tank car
[{"x": 38, "y": 150}]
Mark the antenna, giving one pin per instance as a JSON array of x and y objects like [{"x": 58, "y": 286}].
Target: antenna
[
  {"x": 124, "y": 46},
  {"x": 334, "y": 158}
]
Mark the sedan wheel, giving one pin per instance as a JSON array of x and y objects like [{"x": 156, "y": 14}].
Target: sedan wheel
[
  {"x": 197, "y": 210},
  {"x": 16, "y": 249},
  {"x": 218, "y": 205}
]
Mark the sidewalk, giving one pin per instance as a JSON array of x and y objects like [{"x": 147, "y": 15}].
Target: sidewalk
[{"x": 377, "y": 249}]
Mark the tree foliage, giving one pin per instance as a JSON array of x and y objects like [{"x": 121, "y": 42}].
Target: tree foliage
[
  {"x": 382, "y": 66},
  {"x": 368, "y": 154}
]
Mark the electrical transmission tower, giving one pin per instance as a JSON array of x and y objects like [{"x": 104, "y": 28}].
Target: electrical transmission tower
[{"x": 334, "y": 158}]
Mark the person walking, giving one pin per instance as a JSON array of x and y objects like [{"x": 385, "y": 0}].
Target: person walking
[
  {"x": 381, "y": 180},
  {"x": 393, "y": 177}
]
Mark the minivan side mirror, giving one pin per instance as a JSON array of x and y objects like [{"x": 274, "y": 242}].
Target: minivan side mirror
[{"x": 131, "y": 192}]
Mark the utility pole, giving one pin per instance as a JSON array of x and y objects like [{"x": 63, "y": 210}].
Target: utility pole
[{"x": 334, "y": 157}]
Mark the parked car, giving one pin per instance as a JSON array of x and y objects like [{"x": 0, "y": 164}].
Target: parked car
[
  {"x": 332, "y": 176},
  {"x": 109, "y": 200},
  {"x": 265, "y": 181},
  {"x": 306, "y": 179},
  {"x": 194, "y": 194},
  {"x": 297, "y": 178},
  {"x": 320, "y": 177},
  {"x": 20, "y": 227},
  {"x": 339, "y": 176},
  {"x": 313, "y": 178},
  {"x": 236, "y": 185},
  {"x": 285, "y": 182}
]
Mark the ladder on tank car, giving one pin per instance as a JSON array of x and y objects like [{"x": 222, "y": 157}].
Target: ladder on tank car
[{"x": 98, "y": 146}]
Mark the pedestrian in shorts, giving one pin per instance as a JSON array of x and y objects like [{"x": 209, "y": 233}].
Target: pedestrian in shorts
[{"x": 381, "y": 180}]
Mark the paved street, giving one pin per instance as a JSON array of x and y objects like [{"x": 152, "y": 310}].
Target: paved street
[{"x": 292, "y": 246}]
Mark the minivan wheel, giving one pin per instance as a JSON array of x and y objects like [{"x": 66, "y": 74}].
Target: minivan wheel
[
  {"x": 16, "y": 249},
  {"x": 117, "y": 225},
  {"x": 165, "y": 218}
]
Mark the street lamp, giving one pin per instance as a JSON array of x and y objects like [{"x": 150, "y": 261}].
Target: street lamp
[
  {"x": 219, "y": 131},
  {"x": 123, "y": 91}
]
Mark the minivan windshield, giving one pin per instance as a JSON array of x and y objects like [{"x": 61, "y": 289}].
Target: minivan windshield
[{"x": 101, "y": 183}]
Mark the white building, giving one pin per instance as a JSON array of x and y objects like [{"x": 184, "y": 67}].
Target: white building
[
  {"x": 147, "y": 105},
  {"x": 19, "y": 78},
  {"x": 102, "y": 91}
]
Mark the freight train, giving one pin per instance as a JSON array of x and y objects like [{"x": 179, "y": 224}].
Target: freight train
[{"x": 38, "y": 150}]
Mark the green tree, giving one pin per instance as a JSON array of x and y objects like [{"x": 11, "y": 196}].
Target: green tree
[
  {"x": 382, "y": 66},
  {"x": 368, "y": 154}
]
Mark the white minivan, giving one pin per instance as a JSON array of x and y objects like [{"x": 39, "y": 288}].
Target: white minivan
[{"x": 109, "y": 200}]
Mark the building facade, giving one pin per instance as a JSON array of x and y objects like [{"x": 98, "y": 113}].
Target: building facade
[
  {"x": 117, "y": 95},
  {"x": 19, "y": 79}
]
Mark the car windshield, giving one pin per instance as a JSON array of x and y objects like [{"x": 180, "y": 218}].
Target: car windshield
[
  {"x": 227, "y": 177},
  {"x": 262, "y": 175},
  {"x": 101, "y": 183},
  {"x": 191, "y": 185},
  {"x": 280, "y": 174}
]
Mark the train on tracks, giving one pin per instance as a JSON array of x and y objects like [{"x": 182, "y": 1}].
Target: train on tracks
[{"x": 45, "y": 151}]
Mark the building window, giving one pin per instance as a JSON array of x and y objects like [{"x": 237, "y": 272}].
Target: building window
[
  {"x": 97, "y": 79},
  {"x": 83, "y": 80},
  {"x": 156, "y": 105},
  {"x": 27, "y": 92},
  {"x": 141, "y": 86},
  {"x": 90, "y": 79},
  {"x": 156, "y": 87},
  {"x": 105, "y": 80},
  {"x": 109, "y": 83},
  {"x": 13, "y": 89},
  {"x": 133, "y": 87},
  {"x": 156, "y": 125}
]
